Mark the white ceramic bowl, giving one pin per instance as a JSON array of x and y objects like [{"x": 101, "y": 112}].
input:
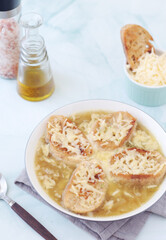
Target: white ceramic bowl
[
  {"x": 89, "y": 105},
  {"x": 145, "y": 95}
]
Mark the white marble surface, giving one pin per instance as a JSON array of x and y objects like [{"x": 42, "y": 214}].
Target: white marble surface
[{"x": 83, "y": 43}]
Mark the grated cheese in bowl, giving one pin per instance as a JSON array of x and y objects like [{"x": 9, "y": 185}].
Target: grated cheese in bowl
[{"x": 151, "y": 70}]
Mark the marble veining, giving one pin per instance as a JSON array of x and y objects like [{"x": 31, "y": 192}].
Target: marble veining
[{"x": 83, "y": 42}]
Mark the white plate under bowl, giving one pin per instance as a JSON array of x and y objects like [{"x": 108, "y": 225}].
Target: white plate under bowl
[{"x": 94, "y": 105}]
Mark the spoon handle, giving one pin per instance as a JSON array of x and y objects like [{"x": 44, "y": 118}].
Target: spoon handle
[{"x": 29, "y": 219}]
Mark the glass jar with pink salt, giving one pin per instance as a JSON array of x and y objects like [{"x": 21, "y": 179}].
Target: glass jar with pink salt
[{"x": 10, "y": 11}]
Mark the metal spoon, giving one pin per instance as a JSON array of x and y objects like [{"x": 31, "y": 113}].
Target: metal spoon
[{"x": 23, "y": 213}]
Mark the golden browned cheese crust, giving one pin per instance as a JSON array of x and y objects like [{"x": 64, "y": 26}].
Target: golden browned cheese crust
[
  {"x": 86, "y": 189},
  {"x": 142, "y": 167},
  {"x": 136, "y": 42},
  {"x": 66, "y": 141},
  {"x": 113, "y": 125}
]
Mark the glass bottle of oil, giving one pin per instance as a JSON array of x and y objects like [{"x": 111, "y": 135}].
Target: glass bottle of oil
[{"x": 34, "y": 80}]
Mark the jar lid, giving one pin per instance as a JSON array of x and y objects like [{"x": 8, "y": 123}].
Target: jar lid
[
  {"x": 9, "y": 8},
  {"x": 7, "y": 5}
]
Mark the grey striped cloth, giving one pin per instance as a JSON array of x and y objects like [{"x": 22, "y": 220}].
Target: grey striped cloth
[{"x": 126, "y": 229}]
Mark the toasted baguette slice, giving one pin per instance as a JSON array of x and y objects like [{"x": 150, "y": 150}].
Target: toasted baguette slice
[
  {"x": 138, "y": 166},
  {"x": 67, "y": 142},
  {"x": 111, "y": 131},
  {"x": 86, "y": 189},
  {"x": 136, "y": 42}
]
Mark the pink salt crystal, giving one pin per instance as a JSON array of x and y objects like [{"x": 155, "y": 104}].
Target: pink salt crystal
[{"x": 9, "y": 48}]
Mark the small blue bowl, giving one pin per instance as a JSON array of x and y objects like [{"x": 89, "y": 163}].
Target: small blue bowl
[{"x": 145, "y": 95}]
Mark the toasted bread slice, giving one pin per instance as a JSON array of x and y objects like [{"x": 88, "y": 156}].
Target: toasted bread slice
[
  {"x": 138, "y": 166},
  {"x": 136, "y": 42},
  {"x": 86, "y": 189},
  {"x": 112, "y": 130},
  {"x": 67, "y": 142}
]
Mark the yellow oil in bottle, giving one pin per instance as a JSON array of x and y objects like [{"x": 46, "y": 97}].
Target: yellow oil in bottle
[
  {"x": 34, "y": 80},
  {"x": 35, "y": 84}
]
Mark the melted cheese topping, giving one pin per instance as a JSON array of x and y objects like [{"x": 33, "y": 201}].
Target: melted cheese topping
[
  {"x": 151, "y": 70},
  {"x": 88, "y": 184},
  {"x": 112, "y": 130},
  {"x": 135, "y": 163},
  {"x": 67, "y": 136}
]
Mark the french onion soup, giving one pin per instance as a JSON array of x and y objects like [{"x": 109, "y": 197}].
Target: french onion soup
[{"x": 99, "y": 163}]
